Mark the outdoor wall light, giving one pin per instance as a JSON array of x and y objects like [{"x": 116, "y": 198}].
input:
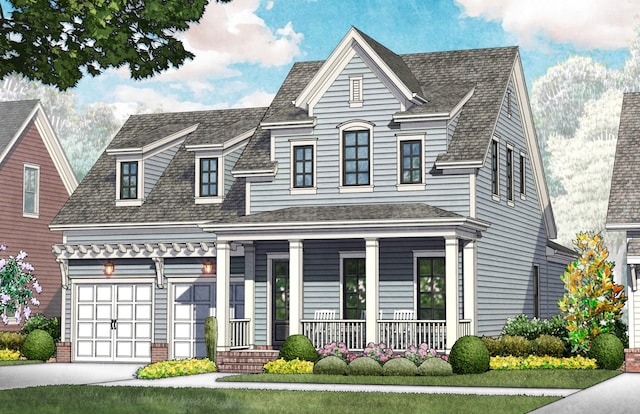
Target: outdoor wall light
[
  {"x": 208, "y": 267},
  {"x": 109, "y": 267}
]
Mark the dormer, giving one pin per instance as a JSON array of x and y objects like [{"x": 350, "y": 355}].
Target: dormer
[
  {"x": 213, "y": 164},
  {"x": 138, "y": 168}
]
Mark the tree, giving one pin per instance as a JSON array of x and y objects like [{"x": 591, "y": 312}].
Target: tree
[
  {"x": 57, "y": 41},
  {"x": 16, "y": 283}
]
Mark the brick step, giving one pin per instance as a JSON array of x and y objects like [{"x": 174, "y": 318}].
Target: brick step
[{"x": 244, "y": 361}]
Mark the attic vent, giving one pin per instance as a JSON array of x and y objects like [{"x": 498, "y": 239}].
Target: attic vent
[{"x": 355, "y": 91}]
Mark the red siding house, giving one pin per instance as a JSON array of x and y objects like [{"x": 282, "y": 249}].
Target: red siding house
[{"x": 35, "y": 181}]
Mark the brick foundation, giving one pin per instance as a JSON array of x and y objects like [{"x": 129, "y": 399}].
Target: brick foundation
[
  {"x": 632, "y": 360},
  {"x": 159, "y": 352},
  {"x": 63, "y": 352},
  {"x": 244, "y": 362}
]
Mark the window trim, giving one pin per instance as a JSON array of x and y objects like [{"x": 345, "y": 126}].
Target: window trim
[
  {"x": 523, "y": 176},
  {"x": 495, "y": 168},
  {"x": 293, "y": 144},
  {"x": 353, "y": 126},
  {"x": 535, "y": 276},
  {"x": 401, "y": 139},
  {"x": 510, "y": 175},
  {"x": 356, "y": 95},
  {"x": 140, "y": 182},
  {"x": 423, "y": 254},
  {"x": 199, "y": 199},
  {"x": 509, "y": 107},
  {"x": 347, "y": 255},
  {"x": 36, "y": 193}
]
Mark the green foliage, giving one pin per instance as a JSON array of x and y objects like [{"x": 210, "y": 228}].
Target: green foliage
[
  {"x": 12, "y": 340},
  {"x": 330, "y": 365},
  {"x": 541, "y": 362},
  {"x": 515, "y": 345},
  {"x": 38, "y": 346},
  {"x": 40, "y": 321},
  {"x": 211, "y": 337},
  {"x": 469, "y": 355},
  {"x": 9, "y": 355},
  {"x": 419, "y": 354},
  {"x": 532, "y": 328},
  {"x": 17, "y": 283},
  {"x": 300, "y": 347},
  {"x": 548, "y": 345},
  {"x": 592, "y": 301},
  {"x": 97, "y": 35},
  {"x": 620, "y": 329},
  {"x": 608, "y": 351},
  {"x": 435, "y": 367},
  {"x": 176, "y": 368},
  {"x": 281, "y": 366},
  {"x": 399, "y": 367},
  {"x": 364, "y": 366}
]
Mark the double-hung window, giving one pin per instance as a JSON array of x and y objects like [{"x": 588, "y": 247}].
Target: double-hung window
[
  {"x": 411, "y": 162},
  {"x": 128, "y": 180},
  {"x": 31, "y": 191},
  {"x": 356, "y": 158},
  {"x": 303, "y": 166},
  {"x": 208, "y": 177}
]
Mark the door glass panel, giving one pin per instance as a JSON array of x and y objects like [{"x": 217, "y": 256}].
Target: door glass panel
[{"x": 432, "y": 289}]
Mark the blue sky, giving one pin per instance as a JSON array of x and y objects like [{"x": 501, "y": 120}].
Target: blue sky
[{"x": 245, "y": 49}]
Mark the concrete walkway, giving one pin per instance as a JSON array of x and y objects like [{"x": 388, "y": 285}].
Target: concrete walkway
[{"x": 617, "y": 395}]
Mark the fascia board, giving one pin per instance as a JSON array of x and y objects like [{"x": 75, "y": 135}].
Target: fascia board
[
  {"x": 155, "y": 145},
  {"x": 97, "y": 227},
  {"x": 225, "y": 145}
]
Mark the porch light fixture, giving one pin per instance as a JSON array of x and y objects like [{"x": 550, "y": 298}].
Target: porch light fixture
[
  {"x": 109, "y": 267},
  {"x": 208, "y": 268}
]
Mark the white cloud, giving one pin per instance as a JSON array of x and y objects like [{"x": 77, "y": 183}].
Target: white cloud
[
  {"x": 590, "y": 24},
  {"x": 258, "y": 98}
]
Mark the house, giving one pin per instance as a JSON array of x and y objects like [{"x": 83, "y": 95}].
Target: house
[
  {"x": 36, "y": 179},
  {"x": 623, "y": 214},
  {"x": 374, "y": 185}
]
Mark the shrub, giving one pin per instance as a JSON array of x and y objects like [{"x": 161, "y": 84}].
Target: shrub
[
  {"x": 39, "y": 346},
  {"x": 542, "y": 362},
  {"x": 555, "y": 326},
  {"x": 399, "y": 367},
  {"x": 469, "y": 356},
  {"x": 9, "y": 355},
  {"x": 379, "y": 352},
  {"x": 419, "y": 354},
  {"x": 364, "y": 366},
  {"x": 295, "y": 366},
  {"x": 176, "y": 368},
  {"x": 494, "y": 346},
  {"x": 298, "y": 347},
  {"x": 620, "y": 330},
  {"x": 39, "y": 321},
  {"x": 521, "y": 325},
  {"x": 12, "y": 340},
  {"x": 330, "y": 365},
  {"x": 211, "y": 337},
  {"x": 608, "y": 351},
  {"x": 515, "y": 345},
  {"x": 435, "y": 367},
  {"x": 548, "y": 345},
  {"x": 335, "y": 349}
]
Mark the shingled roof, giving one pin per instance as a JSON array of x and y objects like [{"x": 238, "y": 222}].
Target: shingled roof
[
  {"x": 13, "y": 114},
  {"x": 624, "y": 197}
]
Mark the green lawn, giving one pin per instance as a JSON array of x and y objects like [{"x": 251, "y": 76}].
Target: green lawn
[
  {"x": 19, "y": 362},
  {"x": 69, "y": 399},
  {"x": 535, "y": 378}
]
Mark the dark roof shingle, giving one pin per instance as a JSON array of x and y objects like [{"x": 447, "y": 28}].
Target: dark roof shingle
[{"x": 12, "y": 115}]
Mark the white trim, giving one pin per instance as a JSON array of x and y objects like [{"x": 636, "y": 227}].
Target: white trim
[
  {"x": 293, "y": 143},
  {"x": 355, "y": 125},
  {"x": 36, "y": 201},
  {"x": 288, "y": 124},
  {"x": 356, "y": 101},
  {"x": 154, "y": 146},
  {"x": 510, "y": 149},
  {"x": 230, "y": 143},
  {"x": 495, "y": 143},
  {"x": 350, "y": 254},
  {"x": 473, "y": 195},
  {"x": 270, "y": 258},
  {"x": 523, "y": 180},
  {"x": 421, "y": 254},
  {"x": 139, "y": 180},
  {"x": 296, "y": 286},
  {"x": 400, "y": 117},
  {"x": 220, "y": 162},
  {"x": 400, "y": 139}
]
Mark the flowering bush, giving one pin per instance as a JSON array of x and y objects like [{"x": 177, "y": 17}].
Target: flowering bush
[
  {"x": 378, "y": 352},
  {"x": 176, "y": 368},
  {"x": 541, "y": 362},
  {"x": 15, "y": 293},
  {"x": 419, "y": 354},
  {"x": 592, "y": 302},
  {"x": 282, "y": 366},
  {"x": 336, "y": 349},
  {"x": 9, "y": 355}
]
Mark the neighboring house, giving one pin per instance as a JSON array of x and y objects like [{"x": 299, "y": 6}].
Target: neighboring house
[
  {"x": 375, "y": 186},
  {"x": 624, "y": 211},
  {"x": 35, "y": 181}
]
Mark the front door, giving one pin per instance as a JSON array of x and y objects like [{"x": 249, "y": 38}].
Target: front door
[
  {"x": 280, "y": 302},
  {"x": 113, "y": 322}
]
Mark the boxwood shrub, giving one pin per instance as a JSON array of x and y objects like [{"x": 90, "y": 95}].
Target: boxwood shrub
[
  {"x": 608, "y": 351},
  {"x": 436, "y": 367},
  {"x": 399, "y": 367},
  {"x": 364, "y": 366},
  {"x": 330, "y": 365},
  {"x": 469, "y": 355}
]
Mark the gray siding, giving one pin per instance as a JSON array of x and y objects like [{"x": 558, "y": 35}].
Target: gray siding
[
  {"x": 551, "y": 288},
  {"x": 449, "y": 192},
  {"x": 229, "y": 162},
  {"x": 154, "y": 167},
  {"x": 160, "y": 315},
  {"x": 66, "y": 335},
  {"x": 515, "y": 240}
]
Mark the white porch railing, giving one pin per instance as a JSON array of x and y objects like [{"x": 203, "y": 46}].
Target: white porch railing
[
  {"x": 399, "y": 335},
  {"x": 239, "y": 333},
  {"x": 350, "y": 331},
  {"x": 464, "y": 328}
]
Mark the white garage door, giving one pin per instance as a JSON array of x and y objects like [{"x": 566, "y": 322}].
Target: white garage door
[
  {"x": 192, "y": 303},
  {"x": 113, "y": 322}
]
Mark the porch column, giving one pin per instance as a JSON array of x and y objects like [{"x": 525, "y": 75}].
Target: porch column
[
  {"x": 451, "y": 283},
  {"x": 223, "y": 253},
  {"x": 372, "y": 251},
  {"x": 469, "y": 286},
  {"x": 295, "y": 286},
  {"x": 249, "y": 290}
]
